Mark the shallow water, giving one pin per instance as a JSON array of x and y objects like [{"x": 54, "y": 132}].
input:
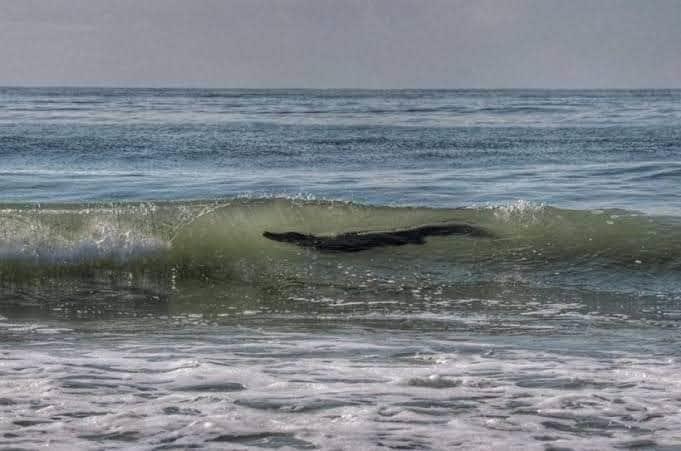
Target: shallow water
[{"x": 141, "y": 307}]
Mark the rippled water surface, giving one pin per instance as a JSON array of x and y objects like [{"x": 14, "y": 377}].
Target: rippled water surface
[{"x": 142, "y": 308}]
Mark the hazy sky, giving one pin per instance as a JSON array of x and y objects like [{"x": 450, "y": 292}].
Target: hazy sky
[{"x": 342, "y": 43}]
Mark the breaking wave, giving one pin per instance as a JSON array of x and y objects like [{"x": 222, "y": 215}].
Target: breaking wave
[{"x": 223, "y": 239}]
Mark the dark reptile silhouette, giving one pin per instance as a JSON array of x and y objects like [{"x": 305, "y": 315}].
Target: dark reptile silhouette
[{"x": 361, "y": 241}]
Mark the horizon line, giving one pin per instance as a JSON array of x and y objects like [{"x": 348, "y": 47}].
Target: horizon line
[{"x": 222, "y": 88}]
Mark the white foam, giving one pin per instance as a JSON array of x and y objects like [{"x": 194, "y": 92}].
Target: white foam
[{"x": 332, "y": 390}]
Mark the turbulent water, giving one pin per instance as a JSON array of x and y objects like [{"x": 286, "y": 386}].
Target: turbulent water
[{"x": 141, "y": 307}]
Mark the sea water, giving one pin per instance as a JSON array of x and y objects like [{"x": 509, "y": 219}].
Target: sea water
[{"x": 141, "y": 307}]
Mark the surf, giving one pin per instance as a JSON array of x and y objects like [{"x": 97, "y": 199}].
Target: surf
[{"x": 230, "y": 237}]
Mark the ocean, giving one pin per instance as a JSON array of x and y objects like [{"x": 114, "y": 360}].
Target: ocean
[{"x": 141, "y": 307}]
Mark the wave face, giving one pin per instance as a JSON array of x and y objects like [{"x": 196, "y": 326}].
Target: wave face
[{"x": 223, "y": 240}]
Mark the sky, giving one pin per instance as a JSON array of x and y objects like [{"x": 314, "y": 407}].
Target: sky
[{"x": 342, "y": 43}]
